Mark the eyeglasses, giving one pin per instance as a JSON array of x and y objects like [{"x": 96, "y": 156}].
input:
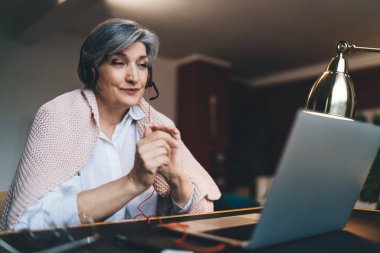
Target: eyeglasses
[{"x": 56, "y": 239}]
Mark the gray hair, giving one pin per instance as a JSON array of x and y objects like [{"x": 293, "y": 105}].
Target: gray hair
[{"x": 109, "y": 37}]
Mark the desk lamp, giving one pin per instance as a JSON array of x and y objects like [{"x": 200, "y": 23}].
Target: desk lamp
[{"x": 333, "y": 93}]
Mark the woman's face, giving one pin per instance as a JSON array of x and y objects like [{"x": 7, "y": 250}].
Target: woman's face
[{"x": 123, "y": 76}]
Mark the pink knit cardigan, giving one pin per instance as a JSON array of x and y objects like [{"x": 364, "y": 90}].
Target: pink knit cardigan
[{"x": 61, "y": 140}]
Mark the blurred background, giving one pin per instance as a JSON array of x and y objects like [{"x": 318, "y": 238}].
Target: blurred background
[{"x": 231, "y": 73}]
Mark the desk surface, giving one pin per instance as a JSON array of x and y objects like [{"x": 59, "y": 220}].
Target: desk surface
[{"x": 361, "y": 234}]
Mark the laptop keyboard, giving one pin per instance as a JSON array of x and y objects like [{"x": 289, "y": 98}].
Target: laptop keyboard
[{"x": 239, "y": 233}]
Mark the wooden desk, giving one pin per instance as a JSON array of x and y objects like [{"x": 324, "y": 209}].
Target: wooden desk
[{"x": 362, "y": 234}]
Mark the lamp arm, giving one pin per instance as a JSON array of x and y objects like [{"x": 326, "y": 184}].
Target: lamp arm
[{"x": 345, "y": 47}]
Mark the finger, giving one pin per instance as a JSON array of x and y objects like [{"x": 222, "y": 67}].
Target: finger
[
  {"x": 152, "y": 154},
  {"x": 149, "y": 146},
  {"x": 167, "y": 137},
  {"x": 157, "y": 162},
  {"x": 147, "y": 131},
  {"x": 153, "y": 149},
  {"x": 173, "y": 131},
  {"x": 150, "y": 136},
  {"x": 161, "y": 135},
  {"x": 161, "y": 151}
]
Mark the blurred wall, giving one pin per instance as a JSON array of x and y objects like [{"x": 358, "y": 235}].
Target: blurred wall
[{"x": 31, "y": 75}]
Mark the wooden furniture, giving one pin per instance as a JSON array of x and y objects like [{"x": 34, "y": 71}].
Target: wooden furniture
[{"x": 203, "y": 113}]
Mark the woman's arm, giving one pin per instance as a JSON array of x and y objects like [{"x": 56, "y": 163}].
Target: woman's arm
[
  {"x": 152, "y": 152},
  {"x": 57, "y": 207},
  {"x": 102, "y": 202}
]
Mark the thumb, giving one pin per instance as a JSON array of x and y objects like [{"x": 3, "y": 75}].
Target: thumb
[{"x": 148, "y": 130}]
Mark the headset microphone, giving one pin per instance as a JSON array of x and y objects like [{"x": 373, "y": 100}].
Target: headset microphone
[{"x": 151, "y": 83}]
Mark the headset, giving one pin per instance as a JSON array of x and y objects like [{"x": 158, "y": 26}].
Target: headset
[
  {"x": 150, "y": 83},
  {"x": 89, "y": 75}
]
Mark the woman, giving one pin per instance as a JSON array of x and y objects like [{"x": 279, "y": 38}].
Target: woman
[{"x": 102, "y": 152}]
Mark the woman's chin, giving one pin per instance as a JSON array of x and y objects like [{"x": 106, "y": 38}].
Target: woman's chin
[{"x": 131, "y": 101}]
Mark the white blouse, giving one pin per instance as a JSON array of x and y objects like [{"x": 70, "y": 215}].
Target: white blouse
[{"x": 111, "y": 160}]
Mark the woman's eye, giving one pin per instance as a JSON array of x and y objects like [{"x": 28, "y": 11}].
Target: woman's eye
[
  {"x": 117, "y": 63},
  {"x": 143, "y": 65}
]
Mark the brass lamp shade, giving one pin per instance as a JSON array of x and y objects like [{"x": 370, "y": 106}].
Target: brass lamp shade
[{"x": 333, "y": 93}]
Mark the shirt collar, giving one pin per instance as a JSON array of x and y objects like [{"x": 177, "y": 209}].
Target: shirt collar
[{"x": 136, "y": 113}]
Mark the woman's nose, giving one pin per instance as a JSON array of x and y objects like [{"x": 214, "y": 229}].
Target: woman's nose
[{"x": 132, "y": 75}]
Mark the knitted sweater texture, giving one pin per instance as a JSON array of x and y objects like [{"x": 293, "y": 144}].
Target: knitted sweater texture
[{"x": 62, "y": 139}]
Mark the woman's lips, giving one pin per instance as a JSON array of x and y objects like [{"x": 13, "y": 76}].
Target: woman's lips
[{"x": 131, "y": 91}]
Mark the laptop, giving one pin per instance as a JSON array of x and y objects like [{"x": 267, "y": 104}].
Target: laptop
[{"x": 322, "y": 169}]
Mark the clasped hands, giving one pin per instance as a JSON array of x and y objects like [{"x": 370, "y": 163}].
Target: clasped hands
[{"x": 159, "y": 151}]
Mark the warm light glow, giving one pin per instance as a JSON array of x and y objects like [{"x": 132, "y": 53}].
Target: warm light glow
[
  {"x": 131, "y": 4},
  {"x": 60, "y": 1},
  {"x": 119, "y": 7}
]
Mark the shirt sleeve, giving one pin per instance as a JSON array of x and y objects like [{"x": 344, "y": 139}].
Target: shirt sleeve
[
  {"x": 58, "y": 207},
  {"x": 182, "y": 210}
]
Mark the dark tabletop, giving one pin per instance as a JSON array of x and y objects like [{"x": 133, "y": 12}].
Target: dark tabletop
[{"x": 361, "y": 234}]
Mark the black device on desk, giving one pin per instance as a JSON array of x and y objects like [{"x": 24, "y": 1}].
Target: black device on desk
[{"x": 318, "y": 179}]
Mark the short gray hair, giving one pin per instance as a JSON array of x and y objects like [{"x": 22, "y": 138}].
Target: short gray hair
[{"x": 109, "y": 37}]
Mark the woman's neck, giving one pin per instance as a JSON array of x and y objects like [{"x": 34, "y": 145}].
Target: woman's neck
[{"x": 109, "y": 116}]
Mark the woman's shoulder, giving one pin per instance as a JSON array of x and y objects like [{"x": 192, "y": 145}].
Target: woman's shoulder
[
  {"x": 63, "y": 117},
  {"x": 69, "y": 101},
  {"x": 66, "y": 98}
]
